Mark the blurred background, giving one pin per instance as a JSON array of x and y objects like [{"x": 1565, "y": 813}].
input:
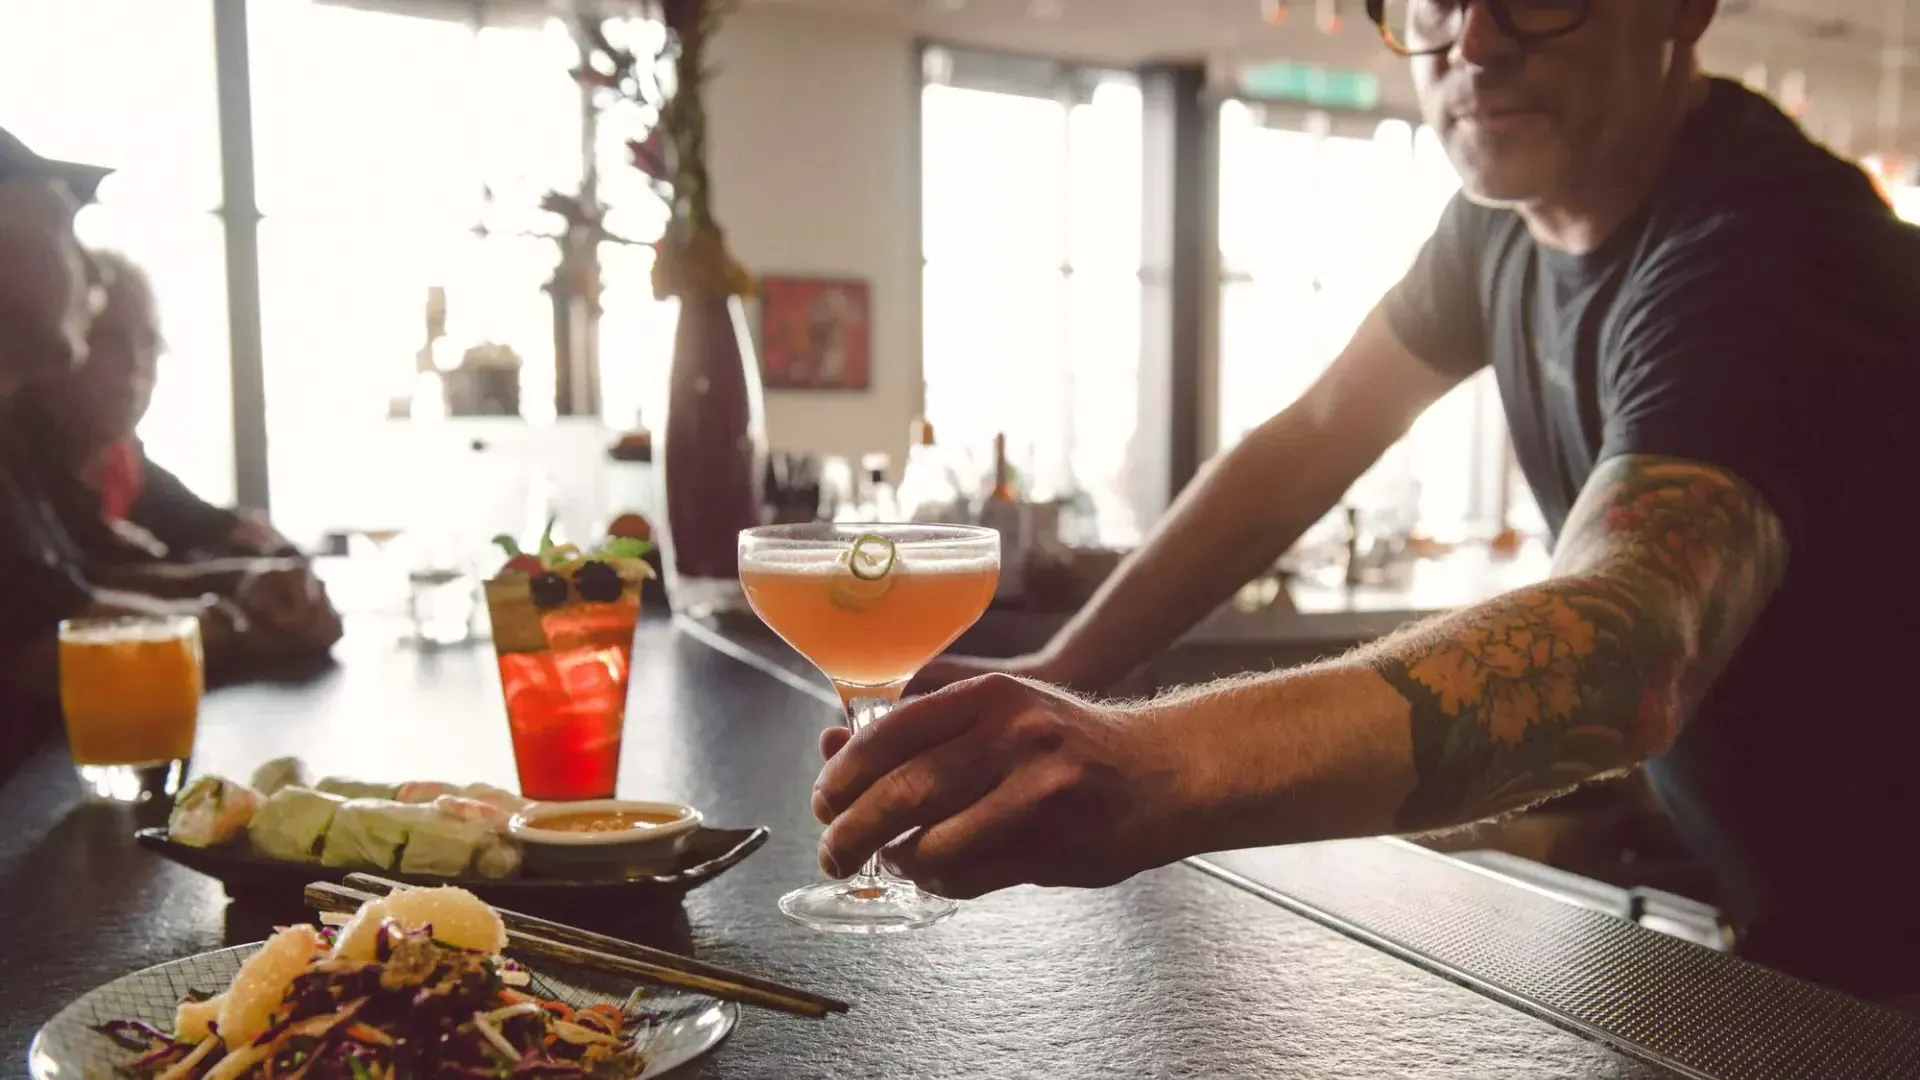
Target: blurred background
[{"x": 341, "y": 205}]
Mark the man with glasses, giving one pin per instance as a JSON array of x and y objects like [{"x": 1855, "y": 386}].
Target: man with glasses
[{"x": 1704, "y": 330}]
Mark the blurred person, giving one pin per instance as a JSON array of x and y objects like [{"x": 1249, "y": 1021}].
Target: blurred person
[
  {"x": 138, "y": 527},
  {"x": 96, "y": 410},
  {"x": 49, "y": 294},
  {"x": 1703, "y": 326}
]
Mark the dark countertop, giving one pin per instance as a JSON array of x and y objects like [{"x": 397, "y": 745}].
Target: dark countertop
[{"x": 1174, "y": 973}]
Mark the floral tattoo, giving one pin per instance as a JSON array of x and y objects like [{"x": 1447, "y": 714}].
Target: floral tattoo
[{"x": 1662, "y": 567}]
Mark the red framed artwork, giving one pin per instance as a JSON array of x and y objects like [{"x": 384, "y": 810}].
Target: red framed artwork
[{"x": 815, "y": 333}]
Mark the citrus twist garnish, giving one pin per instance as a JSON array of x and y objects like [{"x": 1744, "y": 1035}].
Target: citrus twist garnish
[{"x": 878, "y": 553}]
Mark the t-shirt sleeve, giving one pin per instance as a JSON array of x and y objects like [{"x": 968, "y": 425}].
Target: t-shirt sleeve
[
  {"x": 1722, "y": 350},
  {"x": 1436, "y": 310}
]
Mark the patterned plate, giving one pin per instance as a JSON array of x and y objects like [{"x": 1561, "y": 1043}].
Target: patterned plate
[{"x": 678, "y": 1026}]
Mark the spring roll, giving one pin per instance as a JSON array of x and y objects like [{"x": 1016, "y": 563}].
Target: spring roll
[
  {"x": 356, "y": 789},
  {"x": 213, "y": 810},
  {"x": 493, "y": 796},
  {"x": 440, "y": 845},
  {"x": 499, "y": 857},
  {"x": 459, "y": 806},
  {"x": 279, "y": 773},
  {"x": 424, "y": 791},
  {"x": 292, "y": 823},
  {"x": 367, "y": 834}
]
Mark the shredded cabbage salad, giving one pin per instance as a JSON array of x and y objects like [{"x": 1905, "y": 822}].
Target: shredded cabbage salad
[{"x": 422, "y": 1009}]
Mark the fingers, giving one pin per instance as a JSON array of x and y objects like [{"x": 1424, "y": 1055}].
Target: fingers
[
  {"x": 831, "y": 740},
  {"x": 973, "y": 852},
  {"x": 907, "y": 731},
  {"x": 925, "y": 791}
]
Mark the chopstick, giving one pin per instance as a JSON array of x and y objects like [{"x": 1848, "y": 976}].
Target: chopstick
[
  {"x": 605, "y": 943},
  {"x": 326, "y": 896}
]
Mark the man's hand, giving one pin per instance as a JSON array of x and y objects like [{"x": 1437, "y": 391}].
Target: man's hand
[
  {"x": 290, "y": 605},
  {"x": 1002, "y": 782}
]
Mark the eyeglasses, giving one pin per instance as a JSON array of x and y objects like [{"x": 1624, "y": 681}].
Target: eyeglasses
[{"x": 1429, "y": 27}]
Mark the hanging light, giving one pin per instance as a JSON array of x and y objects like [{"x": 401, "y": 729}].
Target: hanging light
[{"x": 1273, "y": 12}]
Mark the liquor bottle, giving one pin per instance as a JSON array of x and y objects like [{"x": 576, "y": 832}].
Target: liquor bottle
[
  {"x": 879, "y": 501},
  {"x": 1003, "y": 511},
  {"x": 929, "y": 491}
]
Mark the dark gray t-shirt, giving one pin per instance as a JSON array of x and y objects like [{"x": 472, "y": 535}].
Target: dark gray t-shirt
[{"x": 1760, "y": 313}]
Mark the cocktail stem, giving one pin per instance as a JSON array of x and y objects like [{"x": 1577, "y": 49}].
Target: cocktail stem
[{"x": 864, "y": 706}]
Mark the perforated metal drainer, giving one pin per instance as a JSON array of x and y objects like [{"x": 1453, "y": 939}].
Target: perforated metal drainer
[{"x": 1665, "y": 1001}]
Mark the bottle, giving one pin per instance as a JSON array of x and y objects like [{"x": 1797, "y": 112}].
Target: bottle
[
  {"x": 1003, "y": 511},
  {"x": 929, "y": 491},
  {"x": 878, "y": 503}
]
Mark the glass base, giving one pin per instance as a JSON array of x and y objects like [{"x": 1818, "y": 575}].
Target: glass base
[
  {"x": 869, "y": 906},
  {"x": 133, "y": 783}
]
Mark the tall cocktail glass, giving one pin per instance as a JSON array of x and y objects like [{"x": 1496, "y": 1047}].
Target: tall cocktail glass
[
  {"x": 563, "y": 671},
  {"x": 869, "y": 605}
]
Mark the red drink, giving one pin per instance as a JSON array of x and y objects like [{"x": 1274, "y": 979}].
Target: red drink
[{"x": 563, "y": 672}]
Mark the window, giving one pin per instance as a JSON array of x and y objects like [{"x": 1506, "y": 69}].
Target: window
[
  {"x": 1032, "y": 211},
  {"x": 130, "y": 84},
  {"x": 1315, "y": 226},
  {"x": 418, "y": 170}
]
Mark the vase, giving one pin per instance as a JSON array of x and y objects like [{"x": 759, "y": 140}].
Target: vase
[{"x": 714, "y": 455}]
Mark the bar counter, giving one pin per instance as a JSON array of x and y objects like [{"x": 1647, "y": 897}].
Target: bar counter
[{"x": 1367, "y": 959}]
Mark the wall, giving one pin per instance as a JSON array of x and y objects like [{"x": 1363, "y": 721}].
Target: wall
[{"x": 815, "y": 165}]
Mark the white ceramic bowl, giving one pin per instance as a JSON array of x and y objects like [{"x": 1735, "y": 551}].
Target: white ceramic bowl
[{"x": 615, "y": 853}]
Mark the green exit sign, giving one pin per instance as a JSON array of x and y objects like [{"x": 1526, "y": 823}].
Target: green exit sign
[{"x": 1311, "y": 84}]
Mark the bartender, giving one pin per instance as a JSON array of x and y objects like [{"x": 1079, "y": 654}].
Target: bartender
[{"x": 1704, "y": 328}]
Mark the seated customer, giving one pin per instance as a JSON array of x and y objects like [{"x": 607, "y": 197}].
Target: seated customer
[
  {"x": 49, "y": 293},
  {"x": 94, "y": 411},
  {"x": 64, "y": 427}
]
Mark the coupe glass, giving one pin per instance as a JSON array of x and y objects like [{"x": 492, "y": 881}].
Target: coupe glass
[{"x": 869, "y": 605}]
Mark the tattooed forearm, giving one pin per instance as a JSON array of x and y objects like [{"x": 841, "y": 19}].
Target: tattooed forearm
[{"x": 1662, "y": 567}]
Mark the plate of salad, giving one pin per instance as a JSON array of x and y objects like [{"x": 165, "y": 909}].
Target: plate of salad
[{"x": 412, "y": 987}]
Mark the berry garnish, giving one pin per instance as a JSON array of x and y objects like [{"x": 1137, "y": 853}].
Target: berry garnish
[
  {"x": 549, "y": 590},
  {"x": 598, "y": 583},
  {"x": 623, "y": 557}
]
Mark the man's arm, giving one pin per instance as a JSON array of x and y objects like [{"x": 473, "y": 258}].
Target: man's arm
[
  {"x": 181, "y": 581},
  {"x": 1245, "y": 509},
  {"x": 1663, "y": 567},
  {"x": 176, "y": 515}
]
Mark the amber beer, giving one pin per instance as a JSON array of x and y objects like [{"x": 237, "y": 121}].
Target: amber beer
[
  {"x": 868, "y": 633},
  {"x": 130, "y": 691}
]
